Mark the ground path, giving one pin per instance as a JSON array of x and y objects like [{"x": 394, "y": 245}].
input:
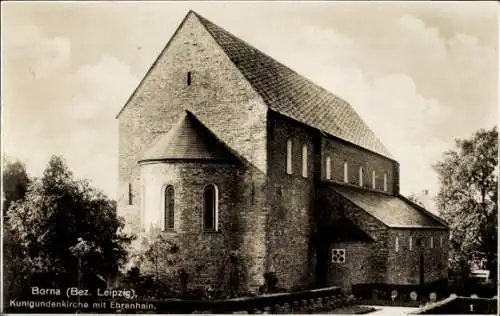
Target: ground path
[{"x": 392, "y": 310}]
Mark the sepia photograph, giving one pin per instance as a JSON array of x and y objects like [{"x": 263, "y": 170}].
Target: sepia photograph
[{"x": 257, "y": 157}]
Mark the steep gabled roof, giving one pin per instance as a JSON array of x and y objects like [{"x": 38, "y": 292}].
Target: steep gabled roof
[
  {"x": 393, "y": 211},
  {"x": 290, "y": 94},
  {"x": 188, "y": 139},
  {"x": 287, "y": 92}
]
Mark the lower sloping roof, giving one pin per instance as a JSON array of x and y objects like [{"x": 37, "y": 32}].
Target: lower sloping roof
[{"x": 393, "y": 211}]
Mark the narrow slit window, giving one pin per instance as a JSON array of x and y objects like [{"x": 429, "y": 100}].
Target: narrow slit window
[
  {"x": 210, "y": 208},
  {"x": 328, "y": 168},
  {"x": 441, "y": 242},
  {"x": 130, "y": 195},
  {"x": 169, "y": 215},
  {"x": 385, "y": 182},
  {"x": 189, "y": 78},
  {"x": 397, "y": 244},
  {"x": 432, "y": 242},
  {"x": 304, "y": 161},
  {"x": 143, "y": 206},
  {"x": 361, "y": 176},
  {"x": 411, "y": 242},
  {"x": 289, "y": 156},
  {"x": 374, "y": 183},
  {"x": 346, "y": 172}
]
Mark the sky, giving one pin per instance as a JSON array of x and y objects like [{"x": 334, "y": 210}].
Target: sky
[{"x": 420, "y": 74}]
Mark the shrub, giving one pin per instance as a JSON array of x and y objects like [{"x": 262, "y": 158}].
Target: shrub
[{"x": 270, "y": 284}]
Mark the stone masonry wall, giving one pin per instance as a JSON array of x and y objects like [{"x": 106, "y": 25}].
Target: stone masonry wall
[
  {"x": 291, "y": 198},
  {"x": 383, "y": 263},
  {"x": 404, "y": 265},
  {"x": 221, "y": 98},
  {"x": 357, "y": 267},
  {"x": 203, "y": 253},
  {"x": 340, "y": 152},
  {"x": 374, "y": 253}
]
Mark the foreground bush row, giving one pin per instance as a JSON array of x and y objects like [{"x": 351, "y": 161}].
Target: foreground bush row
[{"x": 302, "y": 306}]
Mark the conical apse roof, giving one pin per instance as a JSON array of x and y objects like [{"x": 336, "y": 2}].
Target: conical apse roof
[{"x": 188, "y": 139}]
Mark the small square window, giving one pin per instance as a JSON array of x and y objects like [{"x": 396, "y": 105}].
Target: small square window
[{"x": 338, "y": 255}]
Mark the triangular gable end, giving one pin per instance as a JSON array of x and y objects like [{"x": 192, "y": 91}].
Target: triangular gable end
[{"x": 150, "y": 69}]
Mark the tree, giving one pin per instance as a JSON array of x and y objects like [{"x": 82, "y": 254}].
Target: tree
[
  {"x": 58, "y": 213},
  {"x": 15, "y": 182},
  {"x": 154, "y": 266},
  {"x": 468, "y": 199},
  {"x": 159, "y": 254}
]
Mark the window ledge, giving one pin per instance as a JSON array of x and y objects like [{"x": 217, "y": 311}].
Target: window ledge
[
  {"x": 169, "y": 231},
  {"x": 211, "y": 231}
]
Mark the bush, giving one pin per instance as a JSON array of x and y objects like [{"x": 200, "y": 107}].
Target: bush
[
  {"x": 270, "y": 284},
  {"x": 146, "y": 286}
]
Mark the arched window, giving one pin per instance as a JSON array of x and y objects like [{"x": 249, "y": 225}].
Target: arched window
[
  {"x": 361, "y": 174},
  {"x": 169, "y": 212},
  {"x": 289, "y": 156},
  {"x": 373, "y": 180},
  {"x": 385, "y": 182},
  {"x": 304, "y": 161},
  {"x": 346, "y": 172},
  {"x": 210, "y": 207},
  {"x": 328, "y": 168}
]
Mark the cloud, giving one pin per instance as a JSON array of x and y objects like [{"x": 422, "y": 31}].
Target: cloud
[
  {"x": 417, "y": 84},
  {"x": 67, "y": 109},
  {"x": 411, "y": 84},
  {"x": 104, "y": 88},
  {"x": 42, "y": 56}
]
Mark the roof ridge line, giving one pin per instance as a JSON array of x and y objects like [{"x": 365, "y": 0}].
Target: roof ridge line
[
  {"x": 291, "y": 73},
  {"x": 203, "y": 20}
]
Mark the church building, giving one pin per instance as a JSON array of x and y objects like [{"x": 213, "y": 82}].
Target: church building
[{"x": 225, "y": 150}]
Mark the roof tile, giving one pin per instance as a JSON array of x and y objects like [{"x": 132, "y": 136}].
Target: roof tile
[
  {"x": 188, "y": 139},
  {"x": 394, "y": 211},
  {"x": 290, "y": 94}
]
